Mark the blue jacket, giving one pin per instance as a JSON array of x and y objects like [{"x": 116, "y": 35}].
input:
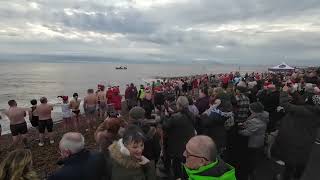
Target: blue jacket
[{"x": 84, "y": 165}]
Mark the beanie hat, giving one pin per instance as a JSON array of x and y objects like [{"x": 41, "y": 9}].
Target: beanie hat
[
  {"x": 137, "y": 113},
  {"x": 256, "y": 107}
]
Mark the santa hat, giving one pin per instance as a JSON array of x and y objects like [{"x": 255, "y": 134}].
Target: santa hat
[{"x": 65, "y": 98}]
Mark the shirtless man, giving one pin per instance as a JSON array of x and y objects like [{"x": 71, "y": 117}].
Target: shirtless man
[
  {"x": 75, "y": 107},
  {"x": 45, "y": 121},
  {"x": 18, "y": 125},
  {"x": 89, "y": 106},
  {"x": 102, "y": 102}
]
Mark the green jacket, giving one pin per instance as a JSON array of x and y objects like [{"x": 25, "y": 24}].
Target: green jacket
[
  {"x": 141, "y": 94},
  {"x": 218, "y": 170}
]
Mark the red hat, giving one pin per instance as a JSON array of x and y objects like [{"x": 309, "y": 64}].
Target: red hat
[{"x": 65, "y": 98}]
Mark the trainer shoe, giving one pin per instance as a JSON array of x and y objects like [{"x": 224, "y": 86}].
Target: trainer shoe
[
  {"x": 41, "y": 144},
  {"x": 51, "y": 141}
]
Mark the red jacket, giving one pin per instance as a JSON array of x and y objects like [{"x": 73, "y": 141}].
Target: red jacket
[
  {"x": 109, "y": 96},
  {"x": 116, "y": 101}
]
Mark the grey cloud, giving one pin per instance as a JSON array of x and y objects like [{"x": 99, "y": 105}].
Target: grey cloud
[{"x": 161, "y": 33}]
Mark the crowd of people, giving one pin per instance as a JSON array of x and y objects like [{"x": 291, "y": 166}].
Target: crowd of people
[{"x": 209, "y": 127}]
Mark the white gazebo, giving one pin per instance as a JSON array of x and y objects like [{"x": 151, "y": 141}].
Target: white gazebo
[{"x": 283, "y": 67}]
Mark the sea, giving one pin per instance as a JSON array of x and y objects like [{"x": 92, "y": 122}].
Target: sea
[{"x": 24, "y": 81}]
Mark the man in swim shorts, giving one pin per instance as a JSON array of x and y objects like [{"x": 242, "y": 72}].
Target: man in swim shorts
[
  {"x": 75, "y": 108},
  {"x": 89, "y": 106},
  {"x": 18, "y": 125},
  {"x": 102, "y": 100},
  {"x": 45, "y": 120}
]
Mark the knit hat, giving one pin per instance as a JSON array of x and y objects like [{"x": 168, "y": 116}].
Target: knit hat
[
  {"x": 256, "y": 107},
  {"x": 137, "y": 113}
]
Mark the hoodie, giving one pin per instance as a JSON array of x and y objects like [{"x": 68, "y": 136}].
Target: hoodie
[{"x": 255, "y": 127}]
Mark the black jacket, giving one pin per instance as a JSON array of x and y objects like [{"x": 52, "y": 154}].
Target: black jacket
[
  {"x": 179, "y": 128},
  {"x": 84, "y": 165},
  {"x": 298, "y": 130},
  {"x": 213, "y": 126}
]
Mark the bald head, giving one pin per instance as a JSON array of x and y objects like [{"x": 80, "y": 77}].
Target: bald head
[
  {"x": 72, "y": 141},
  {"x": 203, "y": 146}
]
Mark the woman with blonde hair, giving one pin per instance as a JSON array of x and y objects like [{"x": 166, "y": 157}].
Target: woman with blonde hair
[{"x": 18, "y": 166}]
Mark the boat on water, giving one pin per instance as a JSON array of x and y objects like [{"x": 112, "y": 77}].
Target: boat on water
[{"x": 121, "y": 68}]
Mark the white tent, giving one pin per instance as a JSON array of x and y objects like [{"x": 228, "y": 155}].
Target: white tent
[{"x": 282, "y": 67}]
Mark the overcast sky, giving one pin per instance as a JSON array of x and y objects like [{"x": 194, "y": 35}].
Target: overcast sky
[{"x": 231, "y": 31}]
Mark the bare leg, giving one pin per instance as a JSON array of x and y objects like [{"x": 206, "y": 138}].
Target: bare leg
[
  {"x": 15, "y": 140},
  {"x": 41, "y": 138},
  {"x": 50, "y": 136},
  {"x": 25, "y": 141}
]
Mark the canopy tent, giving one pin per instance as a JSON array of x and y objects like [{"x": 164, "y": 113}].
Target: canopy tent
[{"x": 281, "y": 67}]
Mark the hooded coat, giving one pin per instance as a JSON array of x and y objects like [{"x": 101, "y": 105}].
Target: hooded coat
[
  {"x": 126, "y": 168},
  {"x": 255, "y": 127}
]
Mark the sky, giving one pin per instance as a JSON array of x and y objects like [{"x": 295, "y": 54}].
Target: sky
[{"x": 225, "y": 31}]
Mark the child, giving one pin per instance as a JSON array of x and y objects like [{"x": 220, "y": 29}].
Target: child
[{"x": 66, "y": 113}]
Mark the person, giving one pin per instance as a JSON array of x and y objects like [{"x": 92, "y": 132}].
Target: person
[
  {"x": 178, "y": 129},
  {"x": 141, "y": 94},
  {"x": 102, "y": 101},
  {"x": 147, "y": 104},
  {"x": 75, "y": 108},
  {"x": 126, "y": 157},
  {"x": 192, "y": 108},
  {"x": 270, "y": 100},
  {"x": 107, "y": 132},
  {"x": 203, "y": 102},
  {"x": 212, "y": 123},
  {"x": 18, "y": 165},
  {"x": 255, "y": 128},
  {"x": 297, "y": 133},
  {"x": 241, "y": 102},
  {"x": 18, "y": 125},
  {"x": 33, "y": 115},
  {"x": 79, "y": 163},
  {"x": 66, "y": 113},
  {"x": 152, "y": 139},
  {"x": 45, "y": 120},
  {"x": 89, "y": 106},
  {"x": 116, "y": 100},
  {"x": 132, "y": 96},
  {"x": 202, "y": 161}
]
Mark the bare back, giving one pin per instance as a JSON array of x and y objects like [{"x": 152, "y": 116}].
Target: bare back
[
  {"x": 102, "y": 96},
  {"x": 16, "y": 115},
  {"x": 75, "y": 104},
  {"x": 90, "y": 100},
  {"x": 44, "y": 111}
]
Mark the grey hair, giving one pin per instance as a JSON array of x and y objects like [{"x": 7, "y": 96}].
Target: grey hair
[
  {"x": 207, "y": 147},
  {"x": 182, "y": 103},
  {"x": 73, "y": 142}
]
